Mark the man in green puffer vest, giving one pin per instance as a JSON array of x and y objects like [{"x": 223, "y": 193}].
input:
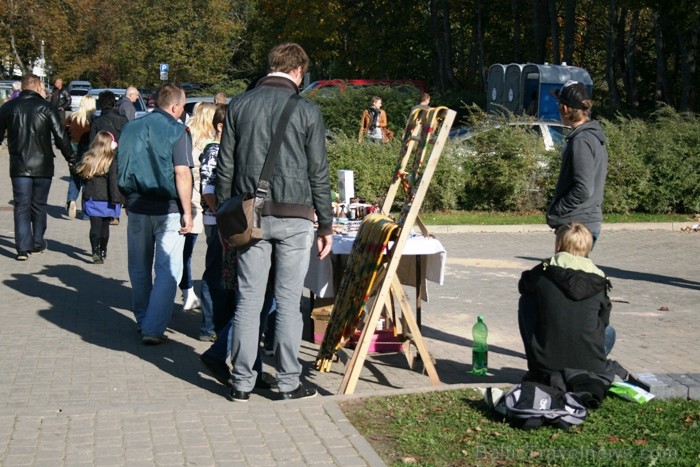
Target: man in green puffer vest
[{"x": 155, "y": 176}]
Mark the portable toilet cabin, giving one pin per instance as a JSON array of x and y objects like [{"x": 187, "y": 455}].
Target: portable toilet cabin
[
  {"x": 496, "y": 82},
  {"x": 512, "y": 92},
  {"x": 539, "y": 80}
]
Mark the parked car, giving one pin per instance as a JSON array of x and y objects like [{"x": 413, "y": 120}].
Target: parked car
[
  {"x": 79, "y": 85},
  {"x": 332, "y": 86},
  {"x": 553, "y": 133},
  {"x": 5, "y": 89},
  {"x": 149, "y": 97},
  {"x": 76, "y": 95},
  {"x": 190, "y": 102},
  {"x": 139, "y": 105}
]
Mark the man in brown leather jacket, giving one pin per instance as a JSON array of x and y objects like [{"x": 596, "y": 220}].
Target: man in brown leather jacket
[{"x": 30, "y": 122}]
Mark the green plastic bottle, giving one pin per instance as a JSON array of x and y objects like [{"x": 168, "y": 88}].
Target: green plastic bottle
[{"x": 480, "y": 349}]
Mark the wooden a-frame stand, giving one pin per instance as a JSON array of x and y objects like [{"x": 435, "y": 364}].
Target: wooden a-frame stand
[{"x": 427, "y": 130}]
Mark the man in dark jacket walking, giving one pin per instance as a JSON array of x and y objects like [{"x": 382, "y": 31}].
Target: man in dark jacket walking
[
  {"x": 109, "y": 120},
  {"x": 60, "y": 98},
  {"x": 299, "y": 192},
  {"x": 30, "y": 122}
]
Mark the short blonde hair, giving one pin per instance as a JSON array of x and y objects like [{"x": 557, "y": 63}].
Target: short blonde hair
[{"x": 575, "y": 239}]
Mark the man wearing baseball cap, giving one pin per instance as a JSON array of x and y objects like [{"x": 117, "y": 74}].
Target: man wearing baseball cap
[{"x": 578, "y": 195}]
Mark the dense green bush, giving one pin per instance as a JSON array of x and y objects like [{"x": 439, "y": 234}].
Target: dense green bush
[
  {"x": 654, "y": 166},
  {"x": 505, "y": 167},
  {"x": 342, "y": 111},
  {"x": 671, "y": 148},
  {"x": 628, "y": 182},
  {"x": 374, "y": 165}
]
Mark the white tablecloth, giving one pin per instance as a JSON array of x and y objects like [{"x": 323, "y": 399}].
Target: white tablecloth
[{"x": 431, "y": 253}]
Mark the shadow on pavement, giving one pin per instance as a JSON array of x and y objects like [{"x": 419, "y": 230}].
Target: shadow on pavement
[
  {"x": 437, "y": 334},
  {"x": 87, "y": 305},
  {"x": 616, "y": 273}
]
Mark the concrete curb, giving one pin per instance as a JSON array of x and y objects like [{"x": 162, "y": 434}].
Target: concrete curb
[{"x": 525, "y": 228}]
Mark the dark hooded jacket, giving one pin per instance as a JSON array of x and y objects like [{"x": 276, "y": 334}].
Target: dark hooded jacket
[
  {"x": 570, "y": 308},
  {"x": 578, "y": 195}
]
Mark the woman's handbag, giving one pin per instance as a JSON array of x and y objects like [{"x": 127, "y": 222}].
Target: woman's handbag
[{"x": 239, "y": 217}]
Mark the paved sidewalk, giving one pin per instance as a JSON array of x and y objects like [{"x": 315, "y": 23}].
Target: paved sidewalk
[{"x": 78, "y": 388}]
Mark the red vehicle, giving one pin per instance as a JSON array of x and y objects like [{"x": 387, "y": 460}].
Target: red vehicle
[{"x": 330, "y": 86}]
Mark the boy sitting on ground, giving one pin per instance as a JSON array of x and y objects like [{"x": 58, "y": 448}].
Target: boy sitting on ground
[{"x": 564, "y": 314}]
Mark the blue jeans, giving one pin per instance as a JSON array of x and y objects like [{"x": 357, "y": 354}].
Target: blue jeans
[
  {"x": 154, "y": 244},
  {"x": 75, "y": 183},
  {"x": 213, "y": 294},
  {"x": 31, "y": 196},
  {"x": 186, "y": 281},
  {"x": 291, "y": 238},
  {"x": 221, "y": 348}
]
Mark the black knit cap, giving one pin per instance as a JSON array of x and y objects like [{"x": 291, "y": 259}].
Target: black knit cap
[{"x": 572, "y": 94}]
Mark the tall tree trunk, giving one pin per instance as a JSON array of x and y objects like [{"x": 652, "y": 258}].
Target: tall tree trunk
[
  {"x": 480, "y": 41},
  {"x": 610, "y": 54},
  {"x": 440, "y": 28},
  {"x": 539, "y": 11},
  {"x": 517, "y": 39},
  {"x": 439, "y": 51},
  {"x": 620, "y": 35},
  {"x": 569, "y": 30},
  {"x": 688, "y": 44},
  {"x": 18, "y": 59},
  {"x": 473, "y": 63},
  {"x": 631, "y": 68},
  {"x": 447, "y": 40},
  {"x": 554, "y": 31},
  {"x": 663, "y": 90}
]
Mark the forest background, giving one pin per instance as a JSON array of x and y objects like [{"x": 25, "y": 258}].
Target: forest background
[{"x": 640, "y": 53}]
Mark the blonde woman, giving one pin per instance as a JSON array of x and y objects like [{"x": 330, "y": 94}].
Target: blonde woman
[
  {"x": 78, "y": 126},
  {"x": 101, "y": 197},
  {"x": 202, "y": 131}
]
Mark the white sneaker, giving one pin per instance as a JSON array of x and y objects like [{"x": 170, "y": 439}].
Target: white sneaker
[
  {"x": 71, "y": 209},
  {"x": 190, "y": 300}
]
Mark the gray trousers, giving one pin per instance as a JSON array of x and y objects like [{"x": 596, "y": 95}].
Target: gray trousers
[{"x": 292, "y": 239}]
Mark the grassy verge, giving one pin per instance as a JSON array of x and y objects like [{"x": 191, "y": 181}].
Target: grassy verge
[
  {"x": 453, "y": 428},
  {"x": 506, "y": 218}
]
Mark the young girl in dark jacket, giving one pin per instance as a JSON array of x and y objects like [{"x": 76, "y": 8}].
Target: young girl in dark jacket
[{"x": 101, "y": 197}]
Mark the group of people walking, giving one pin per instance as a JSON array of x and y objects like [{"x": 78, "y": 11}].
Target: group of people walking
[{"x": 170, "y": 177}]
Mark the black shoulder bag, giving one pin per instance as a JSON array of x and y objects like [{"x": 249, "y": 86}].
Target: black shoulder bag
[{"x": 239, "y": 217}]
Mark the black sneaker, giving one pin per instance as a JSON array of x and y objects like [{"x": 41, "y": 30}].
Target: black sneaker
[
  {"x": 154, "y": 340},
  {"x": 238, "y": 396},
  {"x": 260, "y": 383},
  {"x": 37, "y": 251},
  {"x": 300, "y": 392},
  {"x": 217, "y": 369},
  {"x": 22, "y": 256}
]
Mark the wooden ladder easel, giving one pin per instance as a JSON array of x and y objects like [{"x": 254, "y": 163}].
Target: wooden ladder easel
[{"x": 426, "y": 130}]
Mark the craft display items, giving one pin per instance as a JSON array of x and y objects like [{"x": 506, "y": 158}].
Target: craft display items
[
  {"x": 372, "y": 265},
  {"x": 359, "y": 277}
]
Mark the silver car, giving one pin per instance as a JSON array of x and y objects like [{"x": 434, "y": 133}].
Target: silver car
[{"x": 139, "y": 105}]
